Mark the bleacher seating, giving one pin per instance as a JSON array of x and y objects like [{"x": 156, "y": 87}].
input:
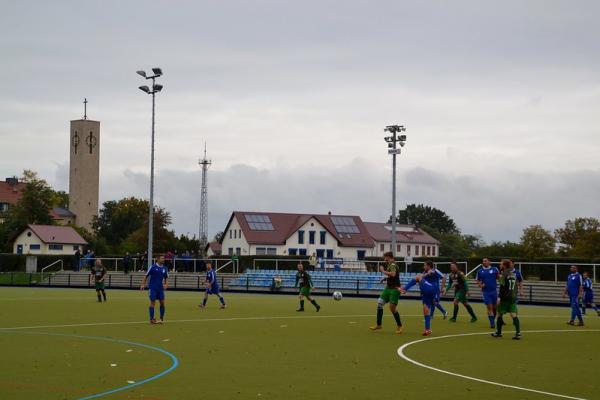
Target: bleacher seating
[{"x": 321, "y": 279}]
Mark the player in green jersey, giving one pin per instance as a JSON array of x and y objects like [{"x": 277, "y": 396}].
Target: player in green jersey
[
  {"x": 98, "y": 272},
  {"x": 511, "y": 287},
  {"x": 306, "y": 285},
  {"x": 391, "y": 293},
  {"x": 458, "y": 281}
]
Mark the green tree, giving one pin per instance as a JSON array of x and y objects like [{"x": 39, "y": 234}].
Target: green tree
[
  {"x": 163, "y": 238},
  {"x": 35, "y": 203},
  {"x": 218, "y": 236},
  {"x": 500, "y": 249},
  {"x": 575, "y": 231},
  {"x": 588, "y": 246},
  {"x": 60, "y": 199},
  {"x": 422, "y": 215},
  {"x": 537, "y": 242},
  {"x": 117, "y": 220}
]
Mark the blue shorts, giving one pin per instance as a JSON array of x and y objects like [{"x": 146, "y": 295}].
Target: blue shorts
[
  {"x": 156, "y": 294},
  {"x": 574, "y": 300},
  {"x": 588, "y": 298},
  {"x": 428, "y": 299},
  {"x": 213, "y": 290},
  {"x": 490, "y": 297}
]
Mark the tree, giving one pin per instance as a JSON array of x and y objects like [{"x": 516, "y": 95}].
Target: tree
[
  {"x": 119, "y": 219},
  {"x": 500, "y": 249},
  {"x": 60, "y": 199},
  {"x": 431, "y": 217},
  {"x": 537, "y": 242},
  {"x": 35, "y": 203},
  {"x": 163, "y": 239},
  {"x": 218, "y": 236},
  {"x": 588, "y": 246},
  {"x": 575, "y": 231}
]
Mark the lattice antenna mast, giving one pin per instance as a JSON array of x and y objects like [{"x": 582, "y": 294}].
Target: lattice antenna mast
[{"x": 203, "y": 231}]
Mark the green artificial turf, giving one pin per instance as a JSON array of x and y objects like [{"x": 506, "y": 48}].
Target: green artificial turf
[{"x": 261, "y": 348}]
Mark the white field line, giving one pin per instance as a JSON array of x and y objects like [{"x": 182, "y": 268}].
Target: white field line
[
  {"x": 402, "y": 348},
  {"x": 233, "y": 319}
]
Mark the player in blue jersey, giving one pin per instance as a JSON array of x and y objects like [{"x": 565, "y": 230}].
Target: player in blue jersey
[
  {"x": 588, "y": 294},
  {"x": 426, "y": 282},
  {"x": 574, "y": 289},
  {"x": 487, "y": 279},
  {"x": 212, "y": 286},
  {"x": 439, "y": 276},
  {"x": 157, "y": 278}
]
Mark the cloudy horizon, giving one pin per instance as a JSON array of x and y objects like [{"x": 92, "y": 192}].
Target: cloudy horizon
[{"x": 500, "y": 102}]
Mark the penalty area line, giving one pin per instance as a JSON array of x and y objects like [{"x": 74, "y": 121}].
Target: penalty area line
[{"x": 402, "y": 348}]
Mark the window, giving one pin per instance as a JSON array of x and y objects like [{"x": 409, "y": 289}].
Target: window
[
  {"x": 272, "y": 251},
  {"x": 235, "y": 234},
  {"x": 34, "y": 247},
  {"x": 75, "y": 248},
  {"x": 329, "y": 253},
  {"x": 398, "y": 248},
  {"x": 423, "y": 250},
  {"x": 230, "y": 234},
  {"x": 230, "y": 251},
  {"x": 360, "y": 254},
  {"x": 240, "y": 233},
  {"x": 259, "y": 222},
  {"x": 238, "y": 251},
  {"x": 382, "y": 247},
  {"x": 345, "y": 225},
  {"x": 433, "y": 251},
  {"x": 3, "y": 207},
  {"x": 300, "y": 237},
  {"x": 428, "y": 250},
  {"x": 293, "y": 252},
  {"x": 302, "y": 252},
  {"x": 408, "y": 249},
  {"x": 320, "y": 253},
  {"x": 416, "y": 250},
  {"x": 322, "y": 236},
  {"x": 56, "y": 247},
  {"x": 260, "y": 251},
  {"x": 311, "y": 237}
]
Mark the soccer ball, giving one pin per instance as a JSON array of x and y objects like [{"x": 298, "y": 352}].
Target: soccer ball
[{"x": 337, "y": 296}]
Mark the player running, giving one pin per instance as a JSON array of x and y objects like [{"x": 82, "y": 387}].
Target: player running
[
  {"x": 305, "y": 281},
  {"x": 574, "y": 289},
  {"x": 390, "y": 294},
  {"x": 426, "y": 282},
  {"x": 98, "y": 272},
  {"x": 439, "y": 276},
  {"x": 588, "y": 294},
  {"x": 158, "y": 283},
  {"x": 212, "y": 286},
  {"x": 458, "y": 280},
  {"x": 487, "y": 279},
  {"x": 511, "y": 287}
]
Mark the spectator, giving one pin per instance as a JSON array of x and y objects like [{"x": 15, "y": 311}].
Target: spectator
[
  {"x": 127, "y": 263},
  {"x": 91, "y": 259},
  {"x": 312, "y": 261},
  {"x": 169, "y": 260},
  {"x": 76, "y": 260},
  {"x": 144, "y": 261}
]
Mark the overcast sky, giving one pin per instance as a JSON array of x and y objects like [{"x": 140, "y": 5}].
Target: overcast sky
[{"x": 501, "y": 101}]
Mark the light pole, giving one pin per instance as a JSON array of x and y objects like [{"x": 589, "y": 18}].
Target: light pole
[
  {"x": 155, "y": 89},
  {"x": 393, "y": 142}
]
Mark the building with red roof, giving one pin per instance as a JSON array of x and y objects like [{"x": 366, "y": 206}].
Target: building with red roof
[{"x": 48, "y": 239}]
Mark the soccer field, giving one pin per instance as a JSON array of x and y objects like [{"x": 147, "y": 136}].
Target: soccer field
[{"x": 63, "y": 344}]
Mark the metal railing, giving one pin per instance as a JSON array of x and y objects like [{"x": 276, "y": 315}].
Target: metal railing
[
  {"x": 51, "y": 265},
  {"x": 182, "y": 264}
]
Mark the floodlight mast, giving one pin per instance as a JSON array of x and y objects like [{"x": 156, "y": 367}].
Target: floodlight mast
[
  {"x": 393, "y": 142},
  {"x": 155, "y": 89}
]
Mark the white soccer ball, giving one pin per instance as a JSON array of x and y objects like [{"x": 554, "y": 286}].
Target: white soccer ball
[{"x": 337, "y": 296}]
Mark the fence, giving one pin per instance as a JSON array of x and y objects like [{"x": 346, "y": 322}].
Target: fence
[{"x": 181, "y": 264}]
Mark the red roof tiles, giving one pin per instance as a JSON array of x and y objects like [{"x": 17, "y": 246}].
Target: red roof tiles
[{"x": 57, "y": 234}]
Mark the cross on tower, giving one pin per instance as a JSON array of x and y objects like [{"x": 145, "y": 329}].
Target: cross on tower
[{"x": 85, "y": 108}]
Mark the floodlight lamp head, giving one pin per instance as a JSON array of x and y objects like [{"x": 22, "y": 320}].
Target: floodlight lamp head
[
  {"x": 145, "y": 89},
  {"x": 141, "y": 73},
  {"x": 157, "y": 87},
  {"x": 390, "y": 145},
  {"x": 402, "y": 138},
  {"x": 157, "y": 71}
]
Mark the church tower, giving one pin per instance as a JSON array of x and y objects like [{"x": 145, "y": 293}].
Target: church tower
[{"x": 84, "y": 170}]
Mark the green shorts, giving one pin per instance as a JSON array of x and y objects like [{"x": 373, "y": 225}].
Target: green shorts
[
  {"x": 99, "y": 285},
  {"x": 390, "y": 295},
  {"x": 305, "y": 291},
  {"x": 460, "y": 296},
  {"x": 507, "y": 307}
]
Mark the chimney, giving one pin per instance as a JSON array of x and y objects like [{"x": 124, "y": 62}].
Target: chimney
[
  {"x": 329, "y": 213},
  {"x": 12, "y": 181}
]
